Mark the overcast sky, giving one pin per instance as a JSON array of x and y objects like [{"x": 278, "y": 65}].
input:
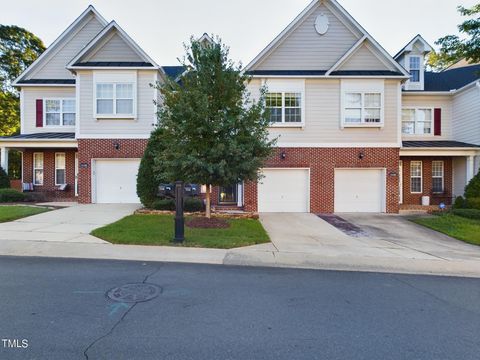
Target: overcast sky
[{"x": 247, "y": 26}]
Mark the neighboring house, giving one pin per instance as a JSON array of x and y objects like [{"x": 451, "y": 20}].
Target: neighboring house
[{"x": 358, "y": 130}]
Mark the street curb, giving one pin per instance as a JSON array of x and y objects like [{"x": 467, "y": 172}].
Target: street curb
[{"x": 239, "y": 257}]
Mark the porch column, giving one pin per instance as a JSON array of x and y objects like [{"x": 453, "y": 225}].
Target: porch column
[
  {"x": 240, "y": 194},
  {"x": 470, "y": 168},
  {"x": 4, "y": 158}
]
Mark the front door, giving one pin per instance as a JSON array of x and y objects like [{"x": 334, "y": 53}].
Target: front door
[{"x": 228, "y": 194}]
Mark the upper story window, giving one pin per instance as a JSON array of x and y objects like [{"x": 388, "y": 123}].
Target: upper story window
[
  {"x": 362, "y": 108},
  {"x": 115, "y": 99},
  {"x": 284, "y": 107},
  {"x": 417, "y": 121},
  {"x": 414, "y": 63},
  {"x": 59, "y": 112}
]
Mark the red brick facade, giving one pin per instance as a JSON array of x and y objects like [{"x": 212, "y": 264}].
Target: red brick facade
[
  {"x": 89, "y": 149},
  {"x": 435, "y": 199},
  {"x": 322, "y": 163},
  {"x": 49, "y": 191}
]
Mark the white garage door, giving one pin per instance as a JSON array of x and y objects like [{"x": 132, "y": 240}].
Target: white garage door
[
  {"x": 284, "y": 190},
  {"x": 359, "y": 190},
  {"x": 116, "y": 181}
]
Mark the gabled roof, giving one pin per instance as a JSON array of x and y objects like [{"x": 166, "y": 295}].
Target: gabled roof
[
  {"x": 365, "y": 36},
  {"x": 97, "y": 40},
  {"x": 89, "y": 10},
  {"x": 409, "y": 45},
  {"x": 451, "y": 79},
  {"x": 173, "y": 72}
]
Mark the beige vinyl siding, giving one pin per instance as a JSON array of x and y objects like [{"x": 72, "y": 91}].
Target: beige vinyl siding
[
  {"x": 466, "y": 116},
  {"x": 322, "y": 116},
  {"x": 141, "y": 126},
  {"x": 305, "y": 49},
  {"x": 30, "y": 95},
  {"x": 431, "y": 101},
  {"x": 114, "y": 49},
  {"x": 53, "y": 66},
  {"x": 364, "y": 59}
]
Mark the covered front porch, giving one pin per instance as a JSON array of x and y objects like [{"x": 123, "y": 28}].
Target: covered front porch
[
  {"x": 49, "y": 165},
  {"x": 432, "y": 173}
]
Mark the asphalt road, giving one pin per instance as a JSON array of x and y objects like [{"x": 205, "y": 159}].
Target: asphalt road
[{"x": 60, "y": 308}]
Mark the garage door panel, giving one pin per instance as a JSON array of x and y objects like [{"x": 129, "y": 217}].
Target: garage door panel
[
  {"x": 284, "y": 190},
  {"x": 116, "y": 181},
  {"x": 359, "y": 190}
]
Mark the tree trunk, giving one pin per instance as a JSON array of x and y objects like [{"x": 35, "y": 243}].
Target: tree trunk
[{"x": 207, "y": 204}]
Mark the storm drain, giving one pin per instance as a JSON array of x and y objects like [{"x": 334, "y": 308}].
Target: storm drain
[{"x": 134, "y": 293}]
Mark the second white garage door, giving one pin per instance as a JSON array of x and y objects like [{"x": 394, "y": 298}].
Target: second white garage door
[
  {"x": 359, "y": 190},
  {"x": 115, "y": 181},
  {"x": 284, "y": 190}
]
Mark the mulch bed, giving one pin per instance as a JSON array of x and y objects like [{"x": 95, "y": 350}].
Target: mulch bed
[{"x": 206, "y": 223}]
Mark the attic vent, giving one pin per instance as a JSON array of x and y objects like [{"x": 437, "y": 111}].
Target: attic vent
[{"x": 321, "y": 24}]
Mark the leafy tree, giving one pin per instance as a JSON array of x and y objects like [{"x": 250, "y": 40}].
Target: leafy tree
[
  {"x": 18, "y": 49},
  {"x": 147, "y": 182},
  {"x": 472, "y": 190},
  {"x": 4, "y": 180},
  {"x": 455, "y": 47},
  {"x": 216, "y": 134}
]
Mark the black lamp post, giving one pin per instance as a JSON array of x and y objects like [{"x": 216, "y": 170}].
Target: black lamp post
[{"x": 179, "y": 218}]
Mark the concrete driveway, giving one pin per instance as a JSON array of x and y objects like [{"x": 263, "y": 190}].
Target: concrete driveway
[
  {"x": 70, "y": 224},
  {"x": 381, "y": 236}
]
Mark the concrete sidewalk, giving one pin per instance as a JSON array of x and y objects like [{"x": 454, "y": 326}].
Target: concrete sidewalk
[{"x": 258, "y": 255}]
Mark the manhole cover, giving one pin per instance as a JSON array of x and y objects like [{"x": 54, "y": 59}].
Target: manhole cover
[{"x": 133, "y": 293}]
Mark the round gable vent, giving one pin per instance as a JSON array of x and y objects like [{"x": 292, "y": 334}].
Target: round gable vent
[{"x": 321, "y": 24}]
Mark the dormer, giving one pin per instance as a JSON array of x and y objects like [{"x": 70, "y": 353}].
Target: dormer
[{"x": 412, "y": 58}]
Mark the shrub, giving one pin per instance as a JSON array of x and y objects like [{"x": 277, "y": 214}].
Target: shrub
[
  {"x": 4, "y": 180},
  {"x": 147, "y": 180},
  {"x": 11, "y": 195},
  {"x": 163, "y": 204},
  {"x": 472, "y": 190},
  {"x": 459, "y": 203},
  {"x": 193, "y": 204},
  {"x": 473, "y": 203},
  {"x": 467, "y": 213}
]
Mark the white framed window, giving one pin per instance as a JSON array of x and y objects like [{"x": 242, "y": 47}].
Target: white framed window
[
  {"x": 414, "y": 66},
  {"x": 362, "y": 108},
  {"x": 38, "y": 168},
  {"x": 417, "y": 121},
  {"x": 438, "y": 176},
  {"x": 115, "y": 99},
  {"x": 416, "y": 183},
  {"x": 60, "y": 178},
  {"x": 284, "y": 107},
  {"x": 59, "y": 112}
]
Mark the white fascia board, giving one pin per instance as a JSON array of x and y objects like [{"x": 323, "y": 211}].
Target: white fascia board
[
  {"x": 280, "y": 36},
  {"x": 114, "y": 136},
  {"x": 336, "y": 145},
  {"x": 328, "y": 77},
  {"x": 38, "y": 143},
  {"x": 347, "y": 55},
  {"x": 66, "y": 32},
  {"x": 44, "y": 85},
  {"x": 421, "y": 93},
  {"x": 462, "y": 151}
]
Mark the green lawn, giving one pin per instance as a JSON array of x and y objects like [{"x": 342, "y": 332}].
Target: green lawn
[
  {"x": 14, "y": 212},
  {"x": 455, "y": 226},
  {"x": 158, "y": 230}
]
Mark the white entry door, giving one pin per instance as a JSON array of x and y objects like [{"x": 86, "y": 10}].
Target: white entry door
[
  {"x": 359, "y": 190},
  {"x": 115, "y": 181},
  {"x": 284, "y": 190}
]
